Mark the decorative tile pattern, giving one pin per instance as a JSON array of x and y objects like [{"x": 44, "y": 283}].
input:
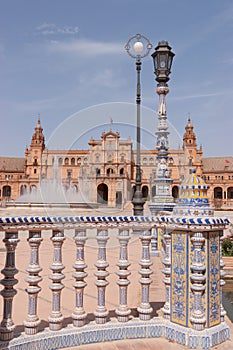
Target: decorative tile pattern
[
  {"x": 24, "y": 222},
  {"x": 112, "y": 331},
  {"x": 214, "y": 279},
  {"x": 179, "y": 278}
]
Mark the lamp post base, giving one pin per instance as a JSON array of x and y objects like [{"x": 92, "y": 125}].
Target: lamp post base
[{"x": 138, "y": 203}]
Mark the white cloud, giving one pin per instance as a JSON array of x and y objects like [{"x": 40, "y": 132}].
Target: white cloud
[
  {"x": 86, "y": 47},
  {"x": 53, "y": 29},
  {"x": 105, "y": 78},
  {"x": 197, "y": 96}
]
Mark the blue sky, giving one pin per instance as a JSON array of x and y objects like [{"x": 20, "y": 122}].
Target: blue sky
[{"x": 59, "y": 57}]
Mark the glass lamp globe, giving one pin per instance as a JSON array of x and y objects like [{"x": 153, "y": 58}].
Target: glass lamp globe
[{"x": 138, "y": 46}]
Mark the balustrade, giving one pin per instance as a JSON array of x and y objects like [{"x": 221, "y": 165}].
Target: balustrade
[{"x": 110, "y": 307}]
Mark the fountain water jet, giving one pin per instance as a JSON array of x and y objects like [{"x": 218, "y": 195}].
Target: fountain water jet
[{"x": 52, "y": 193}]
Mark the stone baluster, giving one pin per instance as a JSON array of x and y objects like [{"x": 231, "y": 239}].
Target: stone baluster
[
  {"x": 145, "y": 309},
  {"x": 56, "y": 318},
  {"x": 8, "y": 282},
  {"x": 154, "y": 242},
  {"x": 198, "y": 280},
  {"x": 222, "y": 282},
  {"x": 79, "y": 315},
  {"x": 167, "y": 274},
  {"x": 123, "y": 311},
  {"x": 101, "y": 312},
  {"x": 32, "y": 321}
]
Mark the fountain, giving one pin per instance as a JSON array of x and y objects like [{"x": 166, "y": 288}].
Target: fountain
[{"x": 52, "y": 193}]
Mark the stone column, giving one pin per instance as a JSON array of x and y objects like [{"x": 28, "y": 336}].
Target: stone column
[
  {"x": 8, "y": 282},
  {"x": 32, "y": 321},
  {"x": 56, "y": 318},
  {"x": 198, "y": 278},
  {"x": 101, "y": 312},
  {"x": 123, "y": 311},
  {"x": 145, "y": 309},
  {"x": 167, "y": 275},
  {"x": 79, "y": 315}
]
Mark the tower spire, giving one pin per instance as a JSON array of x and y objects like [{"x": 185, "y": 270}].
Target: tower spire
[{"x": 38, "y": 139}]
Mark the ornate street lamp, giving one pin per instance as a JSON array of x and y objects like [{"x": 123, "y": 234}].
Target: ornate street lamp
[
  {"x": 162, "y": 58},
  {"x": 138, "y": 47}
]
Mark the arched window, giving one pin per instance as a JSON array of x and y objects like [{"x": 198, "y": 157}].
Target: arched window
[
  {"x": 230, "y": 193},
  {"x": 72, "y": 161},
  {"x": 122, "y": 157},
  {"x": 66, "y": 161},
  {"x": 170, "y": 161},
  {"x": 175, "y": 192},
  {"x": 79, "y": 161},
  {"x": 97, "y": 171},
  {"x": 33, "y": 188},
  {"x": 144, "y": 161},
  {"x": 145, "y": 191},
  {"x": 109, "y": 171},
  {"x": 102, "y": 194},
  {"x": 60, "y": 161},
  {"x": 69, "y": 173},
  {"x": 218, "y": 193},
  {"x": 23, "y": 190},
  {"x": 97, "y": 158},
  {"x": 122, "y": 171},
  {"x": 6, "y": 191},
  {"x": 85, "y": 161},
  {"x": 151, "y": 161}
]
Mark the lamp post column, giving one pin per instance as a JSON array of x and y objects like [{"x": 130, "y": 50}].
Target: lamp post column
[
  {"x": 163, "y": 200},
  {"x": 138, "y": 201},
  {"x": 138, "y": 47}
]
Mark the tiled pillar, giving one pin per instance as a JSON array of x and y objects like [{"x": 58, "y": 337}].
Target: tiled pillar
[
  {"x": 56, "y": 318},
  {"x": 196, "y": 287},
  {"x": 32, "y": 321},
  {"x": 8, "y": 282},
  {"x": 79, "y": 314}
]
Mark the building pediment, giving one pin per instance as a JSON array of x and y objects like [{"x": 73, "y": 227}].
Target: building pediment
[{"x": 110, "y": 135}]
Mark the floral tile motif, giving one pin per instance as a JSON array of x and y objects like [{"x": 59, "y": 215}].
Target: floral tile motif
[
  {"x": 179, "y": 281},
  {"x": 214, "y": 279}
]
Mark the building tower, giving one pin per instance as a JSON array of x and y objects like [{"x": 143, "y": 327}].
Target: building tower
[
  {"x": 193, "y": 155},
  {"x": 34, "y": 153}
]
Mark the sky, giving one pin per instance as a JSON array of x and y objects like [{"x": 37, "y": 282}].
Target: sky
[{"x": 63, "y": 58}]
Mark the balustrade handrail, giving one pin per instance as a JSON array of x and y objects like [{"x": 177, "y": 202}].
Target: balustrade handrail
[{"x": 25, "y": 222}]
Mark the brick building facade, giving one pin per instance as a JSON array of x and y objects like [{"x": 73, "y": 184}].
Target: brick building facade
[{"x": 106, "y": 169}]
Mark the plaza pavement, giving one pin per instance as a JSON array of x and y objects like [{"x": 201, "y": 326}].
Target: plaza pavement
[{"x": 157, "y": 291}]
